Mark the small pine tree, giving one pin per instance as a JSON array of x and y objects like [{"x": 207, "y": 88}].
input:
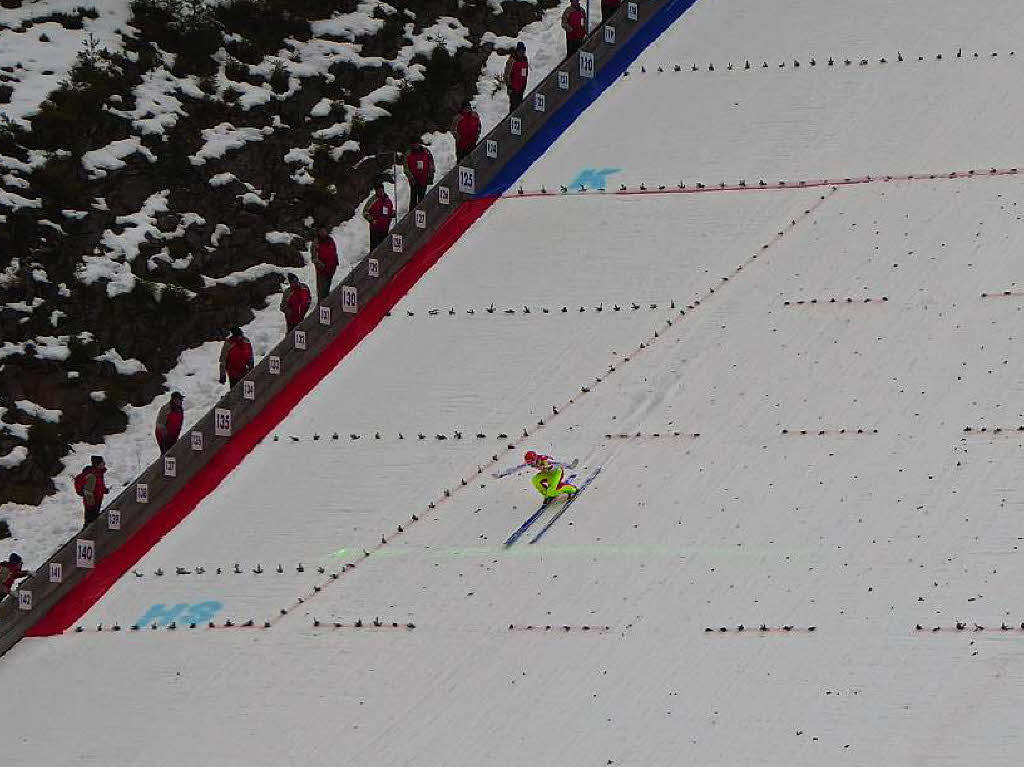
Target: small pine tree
[{"x": 5, "y": 530}]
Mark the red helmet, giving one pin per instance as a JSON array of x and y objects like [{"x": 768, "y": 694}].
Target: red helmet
[{"x": 531, "y": 456}]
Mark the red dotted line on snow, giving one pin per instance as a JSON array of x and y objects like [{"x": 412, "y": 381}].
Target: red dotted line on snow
[
  {"x": 760, "y": 185},
  {"x": 826, "y": 432},
  {"x": 835, "y": 301}
]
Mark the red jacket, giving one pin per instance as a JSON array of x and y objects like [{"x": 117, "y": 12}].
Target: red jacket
[
  {"x": 239, "y": 359},
  {"x": 296, "y": 303},
  {"x": 574, "y": 22},
  {"x": 326, "y": 254},
  {"x": 419, "y": 166},
  {"x": 8, "y": 574},
  {"x": 168, "y": 423},
  {"x": 379, "y": 213},
  {"x": 94, "y": 489},
  {"x": 517, "y": 70},
  {"x": 467, "y": 130}
]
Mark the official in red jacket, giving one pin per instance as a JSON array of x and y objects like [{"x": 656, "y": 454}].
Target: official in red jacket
[
  {"x": 574, "y": 22},
  {"x": 517, "y": 72},
  {"x": 608, "y": 7},
  {"x": 295, "y": 301},
  {"x": 91, "y": 486},
  {"x": 168, "y": 422},
  {"x": 325, "y": 261},
  {"x": 10, "y": 571},
  {"x": 466, "y": 129},
  {"x": 379, "y": 212},
  {"x": 235, "y": 357},
  {"x": 419, "y": 169}
]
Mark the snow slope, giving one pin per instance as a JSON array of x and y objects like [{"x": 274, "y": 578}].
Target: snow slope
[{"x": 770, "y": 456}]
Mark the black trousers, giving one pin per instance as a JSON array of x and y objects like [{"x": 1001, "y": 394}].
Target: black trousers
[
  {"x": 91, "y": 515},
  {"x": 417, "y": 192},
  {"x": 376, "y": 238},
  {"x": 571, "y": 46},
  {"x": 323, "y": 283},
  {"x": 515, "y": 98}
]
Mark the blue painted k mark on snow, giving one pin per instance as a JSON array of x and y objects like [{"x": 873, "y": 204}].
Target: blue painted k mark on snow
[{"x": 593, "y": 178}]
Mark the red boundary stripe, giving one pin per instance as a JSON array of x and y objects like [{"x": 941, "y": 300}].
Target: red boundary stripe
[{"x": 83, "y": 596}]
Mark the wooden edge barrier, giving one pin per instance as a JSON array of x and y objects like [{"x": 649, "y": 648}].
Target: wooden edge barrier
[{"x": 161, "y": 481}]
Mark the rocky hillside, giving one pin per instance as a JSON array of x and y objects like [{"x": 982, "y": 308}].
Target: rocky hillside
[{"x": 155, "y": 198}]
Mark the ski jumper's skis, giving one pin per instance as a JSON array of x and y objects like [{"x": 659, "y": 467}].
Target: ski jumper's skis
[
  {"x": 530, "y": 520},
  {"x": 566, "y": 506}
]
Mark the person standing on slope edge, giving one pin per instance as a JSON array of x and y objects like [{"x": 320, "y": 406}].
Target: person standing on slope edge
[
  {"x": 325, "y": 261},
  {"x": 419, "y": 169},
  {"x": 548, "y": 479},
  {"x": 517, "y": 72},
  {"x": 168, "y": 422},
  {"x": 235, "y": 357},
  {"x": 10, "y": 571},
  {"x": 379, "y": 211},
  {"x": 574, "y": 22},
  {"x": 466, "y": 129},
  {"x": 90, "y": 485},
  {"x": 295, "y": 301}
]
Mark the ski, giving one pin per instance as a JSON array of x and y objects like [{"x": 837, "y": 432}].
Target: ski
[
  {"x": 523, "y": 527},
  {"x": 530, "y": 520},
  {"x": 565, "y": 507}
]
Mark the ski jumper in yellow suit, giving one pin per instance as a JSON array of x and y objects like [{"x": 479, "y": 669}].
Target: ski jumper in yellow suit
[{"x": 548, "y": 479}]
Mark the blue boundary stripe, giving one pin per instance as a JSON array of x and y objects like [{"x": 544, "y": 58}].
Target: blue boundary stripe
[{"x": 584, "y": 97}]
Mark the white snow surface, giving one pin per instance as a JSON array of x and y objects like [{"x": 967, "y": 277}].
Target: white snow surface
[
  {"x": 112, "y": 156},
  {"x": 886, "y": 514},
  {"x": 15, "y": 457},
  {"x": 38, "y": 411}
]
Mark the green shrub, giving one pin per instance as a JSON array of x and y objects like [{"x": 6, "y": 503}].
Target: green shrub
[
  {"x": 61, "y": 182},
  {"x": 236, "y": 70},
  {"x": 279, "y": 78},
  {"x": 5, "y": 530}
]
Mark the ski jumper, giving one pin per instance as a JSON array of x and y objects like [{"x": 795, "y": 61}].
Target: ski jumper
[{"x": 548, "y": 479}]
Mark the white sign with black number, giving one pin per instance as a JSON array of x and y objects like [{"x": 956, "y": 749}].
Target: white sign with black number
[
  {"x": 563, "y": 80},
  {"x": 632, "y": 12},
  {"x": 24, "y": 600},
  {"x": 85, "y": 553},
  {"x": 248, "y": 389},
  {"x": 609, "y": 35},
  {"x": 325, "y": 315},
  {"x": 170, "y": 466},
  {"x": 349, "y": 299},
  {"x": 397, "y": 243},
  {"x": 300, "y": 339},
  {"x": 540, "y": 102},
  {"x": 56, "y": 572},
  {"x": 515, "y": 125},
  {"x": 467, "y": 180},
  {"x": 142, "y": 493},
  {"x": 222, "y": 422},
  {"x": 197, "y": 441},
  {"x": 374, "y": 267},
  {"x": 275, "y": 366},
  {"x": 444, "y": 195},
  {"x": 114, "y": 519},
  {"x": 421, "y": 219},
  {"x": 586, "y": 64},
  {"x": 492, "y": 148}
]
